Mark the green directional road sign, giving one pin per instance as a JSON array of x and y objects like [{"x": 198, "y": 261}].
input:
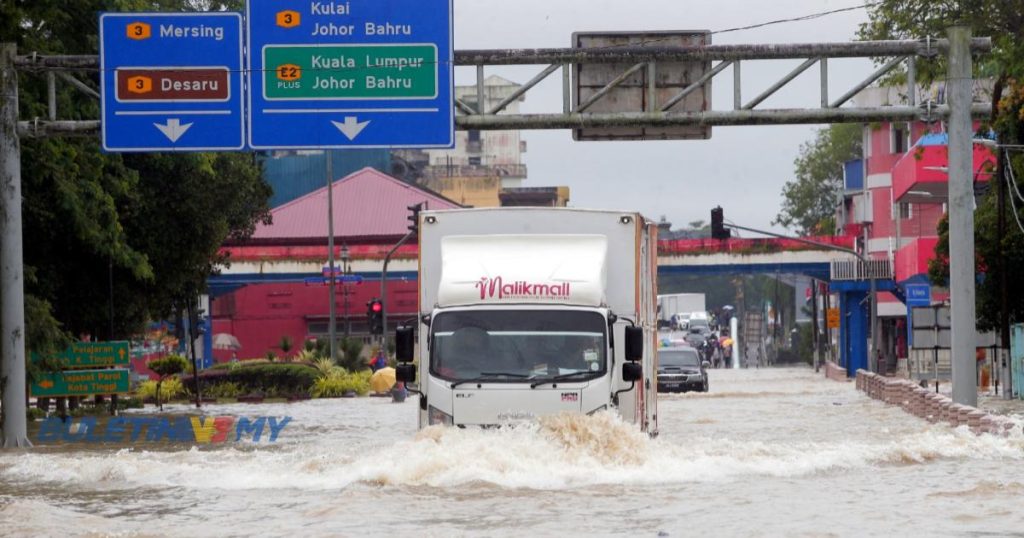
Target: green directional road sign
[
  {"x": 81, "y": 383},
  {"x": 364, "y": 72},
  {"x": 92, "y": 355}
]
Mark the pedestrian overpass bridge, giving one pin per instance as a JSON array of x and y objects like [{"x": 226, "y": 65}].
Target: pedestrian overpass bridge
[
  {"x": 845, "y": 274},
  {"x": 259, "y": 265},
  {"x": 753, "y": 256}
]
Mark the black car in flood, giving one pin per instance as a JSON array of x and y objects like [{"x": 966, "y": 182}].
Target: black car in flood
[{"x": 680, "y": 369}]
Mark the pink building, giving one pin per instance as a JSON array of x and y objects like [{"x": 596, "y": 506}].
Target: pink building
[
  {"x": 895, "y": 197},
  {"x": 274, "y": 285}
]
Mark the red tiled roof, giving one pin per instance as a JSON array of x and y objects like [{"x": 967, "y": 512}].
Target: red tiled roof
[{"x": 367, "y": 204}]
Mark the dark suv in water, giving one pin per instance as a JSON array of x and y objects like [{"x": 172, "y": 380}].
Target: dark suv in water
[{"x": 680, "y": 369}]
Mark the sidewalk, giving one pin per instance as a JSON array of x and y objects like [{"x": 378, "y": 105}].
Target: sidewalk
[
  {"x": 999, "y": 405},
  {"x": 988, "y": 400}
]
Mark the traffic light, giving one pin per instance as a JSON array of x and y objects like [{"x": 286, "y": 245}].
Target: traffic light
[
  {"x": 375, "y": 316},
  {"x": 414, "y": 219},
  {"x": 718, "y": 230}
]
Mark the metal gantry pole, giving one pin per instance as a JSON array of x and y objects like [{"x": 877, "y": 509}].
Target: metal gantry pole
[
  {"x": 332, "y": 316},
  {"x": 12, "y": 272},
  {"x": 961, "y": 217}
]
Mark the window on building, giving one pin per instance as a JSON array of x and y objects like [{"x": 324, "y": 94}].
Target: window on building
[
  {"x": 474, "y": 161},
  {"x": 897, "y": 139},
  {"x": 474, "y": 135},
  {"x": 906, "y": 210}
]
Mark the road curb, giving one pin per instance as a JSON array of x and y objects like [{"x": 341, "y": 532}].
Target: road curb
[
  {"x": 837, "y": 373},
  {"x": 932, "y": 406}
]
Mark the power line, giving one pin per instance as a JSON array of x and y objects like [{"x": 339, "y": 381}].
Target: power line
[
  {"x": 1011, "y": 179},
  {"x": 1012, "y": 176},
  {"x": 797, "y": 19},
  {"x": 645, "y": 42}
]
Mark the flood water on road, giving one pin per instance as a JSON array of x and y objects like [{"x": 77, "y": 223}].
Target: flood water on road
[{"x": 766, "y": 452}]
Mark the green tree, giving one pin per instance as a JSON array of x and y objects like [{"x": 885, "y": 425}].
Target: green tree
[
  {"x": 285, "y": 344},
  {"x": 165, "y": 367},
  {"x": 1003, "y": 21},
  {"x": 150, "y": 224},
  {"x": 809, "y": 200},
  {"x": 351, "y": 354}
]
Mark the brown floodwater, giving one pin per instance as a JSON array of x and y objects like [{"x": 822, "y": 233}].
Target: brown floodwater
[{"x": 765, "y": 453}]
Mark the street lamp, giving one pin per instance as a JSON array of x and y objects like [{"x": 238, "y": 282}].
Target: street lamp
[{"x": 345, "y": 269}]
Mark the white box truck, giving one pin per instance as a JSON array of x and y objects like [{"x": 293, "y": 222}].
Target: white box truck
[
  {"x": 525, "y": 312},
  {"x": 679, "y": 303}
]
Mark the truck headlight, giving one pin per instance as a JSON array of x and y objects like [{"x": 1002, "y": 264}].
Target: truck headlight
[{"x": 436, "y": 416}]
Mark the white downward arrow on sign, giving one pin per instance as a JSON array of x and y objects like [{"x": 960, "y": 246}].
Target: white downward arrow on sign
[
  {"x": 352, "y": 127},
  {"x": 174, "y": 128}
]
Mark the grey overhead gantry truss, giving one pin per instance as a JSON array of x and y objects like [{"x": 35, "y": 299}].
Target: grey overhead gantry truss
[{"x": 644, "y": 57}]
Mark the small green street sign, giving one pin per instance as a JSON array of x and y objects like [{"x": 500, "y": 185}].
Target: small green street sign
[
  {"x": 364, "y": 72},
  {"x": 92, "y": 355},
  {"x": 81, "y": 383}
]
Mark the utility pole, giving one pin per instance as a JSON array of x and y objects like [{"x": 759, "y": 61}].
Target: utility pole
[
  {"x": 345, "y": 256},
  {"x": 1002, "y": 360},
  {"x": 1004, "y": 292},
  {"x": 193, "y": 324},
  {"x": 331, "y": 330},
  {"x": 814, "y": 324},
  {"x": 961, "y": 218},
  {"x": 12, "y": 272},
  {"x": 384, "y": 289},
  {"x": 872, "y": 297}
]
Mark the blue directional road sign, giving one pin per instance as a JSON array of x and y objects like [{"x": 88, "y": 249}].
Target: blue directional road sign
[
  {"x": 918, "y": 295},
  {"x": 171, "y": 81},
  {"x": 339, "y": 276},
  {"x": 350, "y": 74}
]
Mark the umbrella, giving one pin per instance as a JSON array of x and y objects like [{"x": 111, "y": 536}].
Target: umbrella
[
  {"x": 226, "y": 341},
  {"x": 382, "y": 380}
]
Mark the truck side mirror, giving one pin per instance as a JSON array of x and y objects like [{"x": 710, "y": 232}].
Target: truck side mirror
[
  {"x": 404, "y": 344},
  {"x": 632, "y": 371},
  {"x": 634, "y": 343},
  {"x": 405, "y": 373}
]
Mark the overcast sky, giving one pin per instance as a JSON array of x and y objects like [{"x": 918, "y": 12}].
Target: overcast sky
[{"x": 742, "y": 169}]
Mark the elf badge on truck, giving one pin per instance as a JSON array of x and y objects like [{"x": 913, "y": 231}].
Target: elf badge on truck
[{"x": 525, "y": 312}]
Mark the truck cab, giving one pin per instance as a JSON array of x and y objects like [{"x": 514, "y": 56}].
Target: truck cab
[{"x": 514, "y": 363}]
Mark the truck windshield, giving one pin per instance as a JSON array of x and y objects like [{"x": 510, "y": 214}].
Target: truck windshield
[{"x": 517, "y": 344}]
